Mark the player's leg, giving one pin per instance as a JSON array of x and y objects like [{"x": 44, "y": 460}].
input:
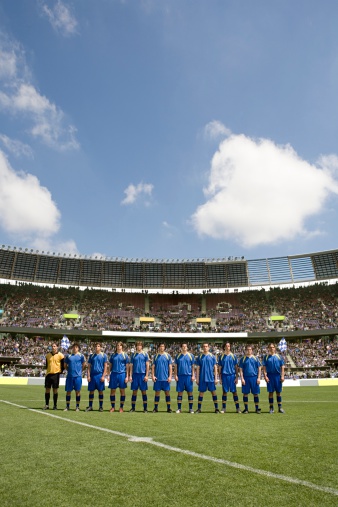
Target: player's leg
[
  {"x": 179, "y": 402},
  {"x": 68, "y": 397},
  {"x": 235, "y": 396},
  {"x": 156, "y": 401},
  {"x": 78, "y": 399},
  {"x": 112, "y": 399},
  {"x": 122, "y": 398},
  {"x": 279, "y": 402},
  {"x": 245, "y": 392},
  {"x": 224, "y": 401},
  {"x": 91, "y": 399},
  {"x": 214, "y": 399},
  {"x": 167, "y": 400},
  {"x": 47, "y": 397},
  {"x": 100, "y": 401},
  {"x": 133, "y": 400},
  {"x": 145, "y": 401},
  {"x": 200, "y": 400},
  {"x": 191, "y": 402}
]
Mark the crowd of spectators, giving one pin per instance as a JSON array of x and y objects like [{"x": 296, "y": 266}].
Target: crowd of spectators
[
  {"x": 305, "y": 358},
  {"x": 300, "y": 309}
]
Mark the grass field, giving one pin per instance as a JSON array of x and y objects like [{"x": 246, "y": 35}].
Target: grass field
[{"x": 177, "y": 460}]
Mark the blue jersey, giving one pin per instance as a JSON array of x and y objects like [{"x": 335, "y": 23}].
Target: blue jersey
[
  {"x": 273, "y": 363},
  {"x": 184, "y": 363},
  {"x": 228, "y": 363},
  {"x": 74, "y": 364},
  {"x": 249, "y": 366},
  {"x": 206, "y": 362},
  {"x": 139, "y": 361},
  {"x": 161, "y": 363},
  {"x": 97, "y": 362},
  {"x": 119, "y": 362}
]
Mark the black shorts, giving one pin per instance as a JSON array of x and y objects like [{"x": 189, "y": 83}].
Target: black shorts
[{"x": 52, "y": 380}]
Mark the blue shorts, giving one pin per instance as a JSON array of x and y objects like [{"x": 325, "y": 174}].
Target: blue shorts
[
  {"x": 117, "y": 380},
  {"x": 73, "y": 383},
  {"x": 274, "y": 383},
  {"x": 228, "y": 383},
  {"x": 206, "y": 386},
  {"x": 184, "y": 384},
  {"x": 251, "y": 386},
  {"x": 95, "y": 383},
  {"x": 138, "y": 382},
  {"x": 161, "y": 385}
]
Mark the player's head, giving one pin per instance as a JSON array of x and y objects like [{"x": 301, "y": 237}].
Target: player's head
[
  {"x": 54, "y": 348},
  {"x": 248, "y": 350},
  {"x": 119, "y": 347},
  {"x": 139, "y": 346},
  {"x": 75, "y": 348},
  {"x": 97, "y": 347},
  {"x": 184, "y": 347},
  {"x": 205, "y": 347},
  {"x": 227, "y": 347},
  {"x": 161, "y": 347},
  {"x": 271, "y": 348}
]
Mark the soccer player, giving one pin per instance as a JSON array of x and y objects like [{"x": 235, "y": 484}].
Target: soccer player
[
  {"x": 184, "y": 376},
  {"x": 273, "y": 371},
  {"x": 206, "y": 376},
  {"x": 161, "y": 374},
  {"x": 54, "y": 366},
  {"x": 138, "y": 376},
  {"x": 119, "y": 361},
  {"x": 96, "y": 373},
  {"x": 228, "y": 373},
  {"x": 250, "y": 371},
  {"x": 75, "y": 364}
]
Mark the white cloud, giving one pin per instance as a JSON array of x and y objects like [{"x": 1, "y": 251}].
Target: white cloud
[
  {"x": 261, "y": 193},
  {"x": 215, "y": 129},
  {"x": 50, "y": 245},
  {"x": 16, "y": 147},
  {"x": 22, "y": 100},
  {"x": 134, "y": 192},
  {"x": 26, "y": 208},
  {"x": 60, "y": 17}
]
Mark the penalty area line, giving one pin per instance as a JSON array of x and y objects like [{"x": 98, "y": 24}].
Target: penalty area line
[{"x": 150, "y": 441}]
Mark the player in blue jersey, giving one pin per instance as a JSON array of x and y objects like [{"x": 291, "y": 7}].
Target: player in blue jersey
[
  {"x": 119, "y": 362},
  {"x": 206, "y": 377},
  {"x": 161, "y": 374},
  {"x": 138, "y": 376},
  {"x": 250, "y": 370},
  {"x": 228, "y": 374},
  {"x": 184, "y": 376},
  {"x": 96, "y": 374},
  {"x": 273, "y": 371},
  {"x": 75, "y": 364}
]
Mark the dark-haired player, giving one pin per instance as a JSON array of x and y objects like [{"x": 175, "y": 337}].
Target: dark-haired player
[
  {"x": 228, "y": 373},
  {"x": 184, "y": 376},
  {"x": 96, "y": 373},
  {"x": 138, "y": 375},
  {"x": 75, "y": 364},
  {"x": 206, "y": 377},
  {"x": 273, "y": 371},
  {"x": 119, "y": 361},
  {"x": 161, "y": 373},
  {"x": 250, "y": 371},
  {"x": 54, "y": 366}
]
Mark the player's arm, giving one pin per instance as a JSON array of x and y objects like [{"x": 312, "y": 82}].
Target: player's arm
[
  {"x": 130, "y": 367},
  {"x": 127, "y": 370},
  {"x": 265, "y": 374},
  {"x": 88, "y": 371},
  {"x": 153, "y": 373},
  {"x": 147, "y": 371},
  {"x": 216, "y": 373},
  {"x": 105, "y": 371},
  {"x": 237, "y": 374},
  {"x": 282, "y": 373},
  {"x": 219, "y": 367},
  {"x": 193, "y": 372},
  {"x": 197, "y": 374},
  {"x": 175, "y": 370},
  {"x": 62, "y": 364},
  {"x": 259, "y": 374},
  {"x": 170, "y": 372},
  {"x": 242, "y": 376}
]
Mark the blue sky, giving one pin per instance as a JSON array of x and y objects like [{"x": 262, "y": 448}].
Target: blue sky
[{"x": 169, "y": 129}]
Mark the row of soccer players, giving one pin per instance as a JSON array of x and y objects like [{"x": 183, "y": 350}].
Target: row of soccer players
[{"x": 206, "y": 370}]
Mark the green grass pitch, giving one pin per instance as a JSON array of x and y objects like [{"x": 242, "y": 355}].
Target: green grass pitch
[{"x": 50, "y": 461}]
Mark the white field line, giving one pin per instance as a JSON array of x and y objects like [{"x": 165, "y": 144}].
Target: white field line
[{"x": 149, "y": 440}]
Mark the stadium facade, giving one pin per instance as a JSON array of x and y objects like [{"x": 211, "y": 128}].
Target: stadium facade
[{"x": 231, "y": 273}]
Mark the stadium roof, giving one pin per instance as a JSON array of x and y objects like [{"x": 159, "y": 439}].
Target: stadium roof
[{"x": 18, "y": 264}]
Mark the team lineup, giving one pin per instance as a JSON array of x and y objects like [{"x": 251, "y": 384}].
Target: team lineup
[{"x": 206, "y": 370}]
